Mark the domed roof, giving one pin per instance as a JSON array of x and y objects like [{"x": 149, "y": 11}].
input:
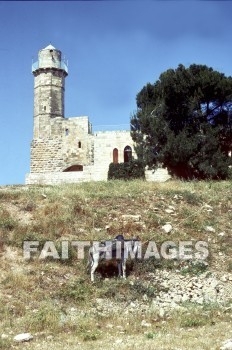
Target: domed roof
[{"x": 49, "y": 47}]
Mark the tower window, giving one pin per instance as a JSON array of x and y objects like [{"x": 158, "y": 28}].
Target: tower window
[
  {"x": 79, "y": 144},
  {"x": 44, "y": 108},
  {"x": 127, "y": 154},
  {"x": 115, "y": 156},
  {"x": 66, "y": 132}
]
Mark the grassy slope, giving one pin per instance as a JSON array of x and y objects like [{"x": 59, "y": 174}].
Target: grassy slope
[{"x": 56, "y": 301}]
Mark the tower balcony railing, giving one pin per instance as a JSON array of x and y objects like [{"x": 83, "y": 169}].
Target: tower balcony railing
[{"x": 40, "y": 64}]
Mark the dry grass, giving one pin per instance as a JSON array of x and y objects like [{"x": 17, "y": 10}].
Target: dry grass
[{"x": 37, "y": 296}]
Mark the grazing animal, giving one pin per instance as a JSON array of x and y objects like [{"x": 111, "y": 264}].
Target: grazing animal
[{"x": 117, "y": 248}]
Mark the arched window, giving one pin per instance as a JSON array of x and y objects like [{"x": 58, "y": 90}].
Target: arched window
[
  {"x": 66, "y": 132},
  {"x": 76, "y": 167},
  {"x": 115, "y": 156},
  {"x": 127, "y": 154}
]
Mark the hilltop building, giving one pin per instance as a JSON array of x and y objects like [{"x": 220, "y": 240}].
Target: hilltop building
[{"x": 65, "y": 150}]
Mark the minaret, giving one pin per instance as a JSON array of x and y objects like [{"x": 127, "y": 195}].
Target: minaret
[{"x": 49, "y": 86}]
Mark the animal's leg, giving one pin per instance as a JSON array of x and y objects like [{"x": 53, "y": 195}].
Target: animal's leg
[
  {"x": 119, "y": 269},
  {"x": 93, "y": 269},
  {"x": 124, "y": 269},
  {"x": 89, "y": 262}
]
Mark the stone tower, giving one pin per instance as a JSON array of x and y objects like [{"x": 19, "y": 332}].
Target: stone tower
[
  {"x": 49, "y": 87},
  {"x": 59, "y": 144}
]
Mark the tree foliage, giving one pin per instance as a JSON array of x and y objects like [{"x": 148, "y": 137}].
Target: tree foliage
[{"x": 184, "y": 122}]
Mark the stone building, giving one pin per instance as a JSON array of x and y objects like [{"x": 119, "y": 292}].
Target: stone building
[{"x": 65, "y": 150}]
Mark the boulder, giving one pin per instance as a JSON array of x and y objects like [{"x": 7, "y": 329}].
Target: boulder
[
  {"x": 227, "y": 345},
  {"x": 167, "y": 228},
  {"x": 23, "y": 337}
]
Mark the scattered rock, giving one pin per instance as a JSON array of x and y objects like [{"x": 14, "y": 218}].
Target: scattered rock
[
  {"x": 223, "y": 278},
  {"x": 209, "y": 229},
  {"x": 169, "y": 211},
  {"x": 221, "y": 234},
  {"x": 73, "y": 309},
  {"x": 119, "y": 327},
  {"x": 23, "y": 337},
  {"x": 156, "y": 209},
  {"x": 50, "y": 337},
  {"x": 227, "y": 345},
  {"x": 131, "y": 217},
  {"x": 109, "y": 325},
  {"x": 167, "y": 228},
  {"x": 99, "y": 300},
  {"x": 145, "y": 324},
  {"x": 4, "y": 336},
  {"x": 171, "y": 207},
  {"x": 198, "y": 289},
  {"x": 178, "y": 196},
  {"x": 207, "y": 206},
  {"x": 132, "y": 304},
  {"x": 161, "y": 312}
]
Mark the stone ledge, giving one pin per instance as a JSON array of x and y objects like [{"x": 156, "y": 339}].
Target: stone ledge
[
  {"x": 159, "y": 175},
  {"x": 89, "y": 173}
]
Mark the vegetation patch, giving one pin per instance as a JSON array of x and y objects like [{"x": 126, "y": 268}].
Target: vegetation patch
[{"x": 133, "y": 169}]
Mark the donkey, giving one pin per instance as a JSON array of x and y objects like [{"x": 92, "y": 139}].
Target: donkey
[{"x": 117, "y": 248}]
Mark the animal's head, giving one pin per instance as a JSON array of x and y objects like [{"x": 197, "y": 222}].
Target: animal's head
[{"x": 119, "y": 237}]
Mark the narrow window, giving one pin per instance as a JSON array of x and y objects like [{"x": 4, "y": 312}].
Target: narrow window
[
  {"x": 66, "y": 132},
  {"x": 79, "y": 144},
  {"x": 44, "y": 108},
  {"x": 127, "y": 154},
  {"x": 115, "y": 156}
]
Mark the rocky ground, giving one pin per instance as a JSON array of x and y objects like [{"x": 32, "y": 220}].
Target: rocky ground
[{"x": 167, "y": 306}]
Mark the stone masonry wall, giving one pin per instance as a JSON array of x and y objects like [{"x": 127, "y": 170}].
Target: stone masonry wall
[
  {"x": 56, "y": 178},
  {"x": 104, "y": 144},
  {"x": 68, "y": 145},
  {"x": 46, "y": 156},
  {"x": 89, "y": 173}
]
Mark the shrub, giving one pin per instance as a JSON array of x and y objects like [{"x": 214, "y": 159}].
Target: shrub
[
  {"x": 133, "y": 169},
  {"x": 79, "y": 290},
  {"x": 151, "y": 335},
  {"x": 91, "y": 335},
  {"x": 193, "y": 322},
  {"x": 194, "y": 267}
]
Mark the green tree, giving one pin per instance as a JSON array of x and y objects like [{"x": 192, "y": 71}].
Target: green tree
[{"x": 184, "y": 122}]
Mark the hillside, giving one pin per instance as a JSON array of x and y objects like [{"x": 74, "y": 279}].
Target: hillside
[{"x": 168, "y": 304}]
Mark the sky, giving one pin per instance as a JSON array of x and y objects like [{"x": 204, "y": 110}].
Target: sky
[{"x": 113, "y": 48}]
